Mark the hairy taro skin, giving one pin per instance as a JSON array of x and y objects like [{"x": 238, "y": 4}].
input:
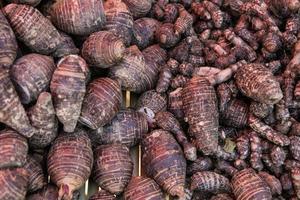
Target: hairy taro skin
[
  {"x": 31, "y": 75},
  {"x": 13, "y": 149},
  {"x": 102, "y": 49},
  {"x": 78, "y": 17},
  {"x": 42, "y": 116},
  {"x": 70, "y": 161},
  {"x": 113, "y": 167},
  {"x": 32, "y": 28},
  {"x": 12, "y": 112},
  {"x": 101, "y": 103},
  {"x": 8, "y": 43},
  {"x": 68, "y": 87},
  {"x": 164, "y": 161},
  {"x": 258, "y": 83},
  {"x": 102, "y": 195},
  {"x": 140, "y": 188},
  {"x": 13, "y": 183},
  {"x": 201, "y": 112},
  {"x": 127, "y": 127},
  {"x": 247, "y": 184}
]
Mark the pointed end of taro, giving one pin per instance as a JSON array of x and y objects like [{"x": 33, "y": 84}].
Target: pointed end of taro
[
  {"x": 178, "y": 191},
  {"x": 10, "y": 8},
  {"x": 64, "y": 193}
]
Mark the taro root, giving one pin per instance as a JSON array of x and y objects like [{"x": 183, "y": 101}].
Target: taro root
[
  {"x": 127, "y": 127},
  {"x": 37, "y": 180},
  {"x": 164, "y": 161},
  {"x": 8, "y": 43},
  {"x": 101, "y": 103},
  {"x": 164, "y": 80},
  {"x": 138, "y": 8},
  {"x": 200, "y": 164},
  {"x": 13, "y": 149},
  {"x": 150, "y": 103},
  {"x": 32, "y": 28},
  {"x": 166, "y": 36},
  {"x": 67, "y": 46},
  {"x": 68, "y": 86},
  {"x": 140, "y": 188},
  {"x": 132, "y": 71},
  {"x": 258, "y": 83},
  {"x": 295, "y": 147},
  {"x": 168, "y": 122},
  {"x": 49, "y": 192},
  {"x": 42, "y": 117},
  {"x": 28, "y": 2},
  {"x": 295, "y": 174},
  {"x": 119, "y": 20},
  {"x": 144, "y": 31},
  {"x": 113, "y": 167},
  {"x": 222, "y": 196},
  {"x": 246, "y": 184},
  {"x": 207, "y": 181},
  {"x": 12, "y": 112},
  {"x": 70, "y": 162},
  {"x": 175, "y": 105},
  {"x": 13, "y": 183},
  {"x": 200, "y": 109},
  {"x": 78, "y": 17},
  {"x": 31, "y": 75},
  {"x": 273, "y": 183},
  {"x": 102, "y": 49},
  {"x": 102, "y": 195}
]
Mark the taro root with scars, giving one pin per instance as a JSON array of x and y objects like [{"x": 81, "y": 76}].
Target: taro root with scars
[
  {"x": 14, "y": 182},
  {"x": 28, "y": 2},
  {"x": 273, "y": 183},
  {"x": 31, "y": 75},
  {"x": 42, "y": 117},
  {"x": 32, "y": 28},
  {"x": 49, "y": 192},
  {"x": 113, "y": 167},
  {"x": 102, "y": 49},
  {"x": 8, "y": 43},
  {"x": 168, "y": 122},
  {"x": 127, "y": 127},
  {"x": 78, "y": 17},
  {"x": 140, "y": 188},
  {"x": 37, "y": 179},
  {"x": 138, "y": 8},
  {"x": 70, "y": 161},
  {"x": 207, "y": 181},
  {"x": 102, "y": 195},
  {"x": 258, "y": 83},
  {"x": 164, "y": 161},
  {"x": 68, "y": 87},
  {"x": 13, "y": 149},
  {"x": 12, "y": 112},
  {"x": 247, "y": 184},
  {"x": 119, "y": 20},
  {"x": 295, "y": 175},
  {"x": 101, "y": 103},
  {"x": 67, "y": 46}
]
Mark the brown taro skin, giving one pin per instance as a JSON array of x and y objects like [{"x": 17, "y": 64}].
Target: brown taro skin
[
  {"x": 119, "y": 20},
  {"x": 201, "y": 112},
  {"x": 67, "y": 46},
  {"x": 78, "y": 17},
  {"x": 113, "y": 167},
  {"x": 257, "y": 82},
  {"x": 247, "y": 184},
  {"x": 12, "y": 112},
  {"x": 14, "y": 182},
  {"x": 295, "y": 147},
  {"x": 132, "y": 71},
  {"x": 37, "y": 180},
  {"x": 164, "y": 161},
  {"x": 143, "y": 188},
  {"x": 101, "y": 103},
  {"x": 13, "y": 149},
  {"x": 295, "y": 174},
  {"x": 138, "y": 8},
  {"x": 8, "y": 43},
  {"x": 103, "y": 49},
  {"x": 68, "y": 87},
  {"x": 127, "y": 127},
  {"x": 102, "y": 195},
  {"x": 207, "y": 181},
  {"x": 42, "y": 117},
  {"x": 31, "y": 75},
  {"x": 70, "y": 161},
  {"x": 32, "y": 28}
]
